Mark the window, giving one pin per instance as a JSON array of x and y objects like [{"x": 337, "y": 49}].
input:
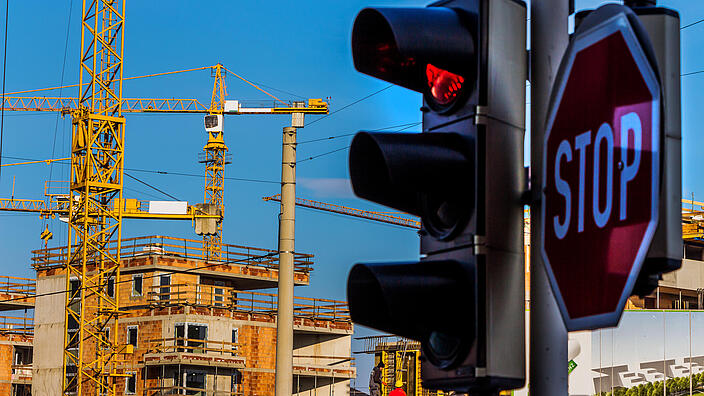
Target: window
[
  {"x": 219, "y": 293},
  {"x": 106, "y": 338},
  {"x": 194, "y": 381},
  {"x": 236, "y": 380},
  {"x": 132, "y": 335},
  {"x": 165, "y": 289},
  {"x": 111, "y": 287},
  {"x": 235, "y": 340},
  {"x": 23, "y": 355},
  {"x": 191, "y": 335},
  {"x": 131, "y": 384},
  {"x": 137, "y": 284},
  {"x": 75, "y": 304},
  {"x": 75, "y": 287}
]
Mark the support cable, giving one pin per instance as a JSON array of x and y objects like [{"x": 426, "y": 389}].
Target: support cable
[
  {"x": 124, "y": 79},
  {"x": 252, "y": 84},
  {"x": 45, "y": 222},
  {"x": 152, "y": 187}
]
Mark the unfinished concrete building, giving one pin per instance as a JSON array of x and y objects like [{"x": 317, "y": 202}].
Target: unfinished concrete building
[
  {"x": 16, "y": 335},
  {"x": 199, "y": 327}
]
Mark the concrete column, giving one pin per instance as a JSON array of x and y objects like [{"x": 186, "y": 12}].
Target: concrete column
[
  {"x": 287, "y": 220},
  {"x": 548, "y": 336}
]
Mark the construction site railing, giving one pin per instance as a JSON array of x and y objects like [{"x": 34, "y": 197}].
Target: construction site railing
[
  {"x": 17, "y": 325},
  {"x": 16, "y": 285},
  {"x": 373, "y": 344},
  {"x": 192, "y": 345},
  {"x": 182, "y": 390},
  {"x": 245, "y": 301},
  {"x": 331, "y": 361},
  {"x": 180, "y": 248}
]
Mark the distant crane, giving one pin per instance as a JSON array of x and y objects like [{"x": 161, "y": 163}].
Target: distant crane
[{"x": 407, "y": 221}]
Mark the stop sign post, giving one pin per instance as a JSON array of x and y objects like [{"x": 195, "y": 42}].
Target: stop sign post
[{"x": 601, "y": 173}]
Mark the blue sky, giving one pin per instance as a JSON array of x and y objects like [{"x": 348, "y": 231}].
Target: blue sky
[{"x": 300, "y": 47}]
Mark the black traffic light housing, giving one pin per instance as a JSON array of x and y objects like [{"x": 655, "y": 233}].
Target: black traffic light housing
[{"x": 464, "y": 300}]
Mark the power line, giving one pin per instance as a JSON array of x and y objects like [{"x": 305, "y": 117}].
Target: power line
[
  {"x": 4, "y": 69},
  {"x": 692, "y": 24},
  {"x": 197, "y": 175},
  {"x": 690, "y": 73},
  {"x": 411, "y": 124},
  {"x": 346, "y": 147},
  {"x": 324, "y": 154},
  {"x": 351, "y": 104},
  {"x": 161, "y": 172}
]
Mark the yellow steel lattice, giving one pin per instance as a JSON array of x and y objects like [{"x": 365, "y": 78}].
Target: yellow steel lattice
[
  {"x": 215, "y": 151},
  {"x": 97, "y": 166}
]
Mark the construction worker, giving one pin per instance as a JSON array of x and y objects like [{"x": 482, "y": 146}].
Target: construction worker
[
  {"x": 398, "y": 391},
  {"x": 375, "y": 380}
]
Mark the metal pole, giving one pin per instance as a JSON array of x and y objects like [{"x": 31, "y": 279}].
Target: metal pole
[
  {"x": 548, "y": 336},
  {"x": 284, "y": 321}
]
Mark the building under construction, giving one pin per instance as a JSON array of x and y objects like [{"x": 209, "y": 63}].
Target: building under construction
[{"x": 198, "y": 327}]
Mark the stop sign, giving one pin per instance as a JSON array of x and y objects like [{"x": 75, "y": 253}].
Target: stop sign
[{"x": 601, "y": 159}]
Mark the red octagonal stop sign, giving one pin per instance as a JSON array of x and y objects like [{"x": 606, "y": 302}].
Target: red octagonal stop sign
[{"x": 601, "y": 173}]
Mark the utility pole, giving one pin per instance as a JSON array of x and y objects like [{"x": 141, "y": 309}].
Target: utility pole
[
  {"x": 548, "y": 336},
  {"x": 287, "y": 222}
]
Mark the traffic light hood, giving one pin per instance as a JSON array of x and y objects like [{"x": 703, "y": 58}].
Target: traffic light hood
[{"x": 397, "y": 44}]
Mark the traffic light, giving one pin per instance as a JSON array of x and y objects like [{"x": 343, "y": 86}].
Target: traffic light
[{"x": 463, "y": 175}]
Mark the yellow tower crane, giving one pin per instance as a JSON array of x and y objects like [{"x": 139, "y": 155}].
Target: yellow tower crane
[
  {"x": 96, "y": 207},
  {"x": 97, "y": 171},
  {"x": 214, "y": 156}
]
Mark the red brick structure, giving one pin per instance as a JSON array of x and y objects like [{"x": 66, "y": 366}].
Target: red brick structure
[{"x": 201, "y": 326}]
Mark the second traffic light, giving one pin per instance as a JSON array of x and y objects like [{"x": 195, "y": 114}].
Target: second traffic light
[{"x": 464, "y": 300}]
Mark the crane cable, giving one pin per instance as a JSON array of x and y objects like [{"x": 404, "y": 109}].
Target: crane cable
[
  {"x": 45, "y": 222},
  {"x": 254, "y": 85},
  {"x": 124, "y": 79}
]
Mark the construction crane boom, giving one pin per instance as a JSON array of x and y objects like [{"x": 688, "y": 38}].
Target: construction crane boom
[
  {"x": 131, "y": 209},
  {"x": 409, "y": 222},
  {"x": 66, "y": 105}
]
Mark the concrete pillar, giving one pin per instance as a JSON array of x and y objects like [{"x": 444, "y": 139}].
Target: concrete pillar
[{"x": 287, "y": 220}]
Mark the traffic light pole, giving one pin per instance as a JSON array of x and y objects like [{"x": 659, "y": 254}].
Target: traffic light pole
[
  {"x": 287, "y": 220},
  {"x": 548, "y": 336}
]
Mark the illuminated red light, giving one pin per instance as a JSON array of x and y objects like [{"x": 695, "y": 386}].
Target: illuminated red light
[{"x": 444, "y": 86}]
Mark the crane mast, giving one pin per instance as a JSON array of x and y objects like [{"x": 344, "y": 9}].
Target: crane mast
[
  {"x": 97, "y": 168},
  {"x": 215, "y": 161}
]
